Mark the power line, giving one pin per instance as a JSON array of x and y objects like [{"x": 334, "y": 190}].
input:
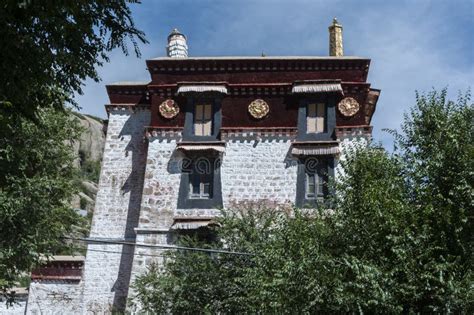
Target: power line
[
  {"x": 161, "y": 246},
  {"x": 117, "y": 252}
]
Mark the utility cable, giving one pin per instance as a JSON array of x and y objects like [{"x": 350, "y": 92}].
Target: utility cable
[{"x": 161, "y": 246}]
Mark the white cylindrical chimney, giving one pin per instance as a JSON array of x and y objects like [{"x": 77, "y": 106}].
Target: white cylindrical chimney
[
  {"x": 335, "y": 39},
  {"x": 177, "y": 47}
]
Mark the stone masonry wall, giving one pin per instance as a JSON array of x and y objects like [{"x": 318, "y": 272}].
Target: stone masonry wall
[
  {"x": 107, "y": 268},
  {"x": 251, "y": 170},
  {"x": 54, "y": 297},
  {"x": 346, "y": 144},
  {"x": 138, "y": 198},
  {"x": 258, "y": 170}
]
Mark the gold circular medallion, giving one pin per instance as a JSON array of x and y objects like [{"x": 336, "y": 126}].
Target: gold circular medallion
[
  {"x": 259, "y": 108},
  {"x": 348, "y": 106},
  {"x": 169, "y": 109}
]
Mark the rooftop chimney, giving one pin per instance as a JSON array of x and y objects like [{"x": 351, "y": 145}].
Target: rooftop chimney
[
  {"x": 177, "y": 47},
  {"x": 335, "y": 39}
]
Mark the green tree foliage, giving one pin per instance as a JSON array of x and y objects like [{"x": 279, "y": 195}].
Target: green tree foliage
[
  {"x": 49, "y": 49},
  {"x": 398, "y": 239},
  {"x": 36, "y": 184},
  {"x": 437, "y": 148}
]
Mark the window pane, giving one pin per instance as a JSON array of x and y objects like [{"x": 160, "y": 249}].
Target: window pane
[
  {"x": 200, "y": 185},
  {"x": 310, "y": 186},
  {"x": 203, "y": 120},
  {"x": 206, "y": 190},
  {"x": 207, "y": 112},
  {"x": 322, "y": 178},
  {"x": 194, "y": 185},
  {"x": 207, "y": 120},
  {"x": 321, "y": 184},
  {"x": 207, "y": 128},
  {"x": 311, "y": 118},
  {"x": 199, "y": 113},
  {"x": 320, "y": 117}
]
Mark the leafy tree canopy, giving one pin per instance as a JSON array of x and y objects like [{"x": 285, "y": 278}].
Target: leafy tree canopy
[
  {"x": 35, "y": 189},
  {"x": 49, "y": 49},
  {"x": 397, "y": 239}
]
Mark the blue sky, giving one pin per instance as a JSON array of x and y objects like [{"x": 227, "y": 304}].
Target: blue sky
[{"x": 414, "y": 45}]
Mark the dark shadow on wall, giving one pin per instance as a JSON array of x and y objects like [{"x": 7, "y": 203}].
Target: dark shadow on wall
[{"x": 138, "y": 148}]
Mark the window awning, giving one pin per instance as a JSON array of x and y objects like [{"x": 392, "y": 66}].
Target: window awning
[
  {"x": 201, "y": 147},
  {"x": 191, "y": 224},
  {"x": 202, "y": 88},
  {"x": 317, "y": 87},
  {"x": 315, "y": 150}
]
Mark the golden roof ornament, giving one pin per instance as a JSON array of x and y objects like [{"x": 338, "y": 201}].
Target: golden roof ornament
[
  {"x": 336, "y": 48},
  {"x": 348, "y": 106},
  {"x": 258, "y": 109},
  {"x": 169, "y": 109}
]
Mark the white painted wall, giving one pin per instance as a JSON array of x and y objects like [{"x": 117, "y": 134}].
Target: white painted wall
[
  {"x": 107, "y": 267},
  {"x": 138, "y": 193}
]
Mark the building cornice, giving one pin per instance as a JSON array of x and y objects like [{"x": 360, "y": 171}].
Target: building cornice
[{"x": 234, "y": 64}]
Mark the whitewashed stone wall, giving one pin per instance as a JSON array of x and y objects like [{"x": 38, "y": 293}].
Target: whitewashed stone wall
[
  {"x": 251, "y": 170},
  {"x": 108, "y": 267},
  {"x": 54, "y": 297},
  {"x": 161, "y": 186},
  {"x": 138, "y": 197},
  {"x": 258, "y": 170},
  {"x": 346, "y": 144},
  {"x": 18, "y": 307}
]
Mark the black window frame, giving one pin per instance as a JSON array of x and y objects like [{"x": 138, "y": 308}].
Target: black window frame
[
  {"x": 202, "y": 103},
  {"x": 185, "y": 198},
  {"x": 325, "y": 167},
  {"x": 316, "y": 181},
  {"x": 192, "y": 101},
  {"x": 202, "y": 180},
  {"x": 325, "y": 127},
  {"x": 329, "y": 122}
]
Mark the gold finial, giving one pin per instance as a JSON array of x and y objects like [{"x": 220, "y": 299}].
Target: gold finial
[{"x": 335, "y": 39}]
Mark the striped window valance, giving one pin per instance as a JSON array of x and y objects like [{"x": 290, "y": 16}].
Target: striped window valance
[
  {"x": 202, "y": 88},
  {"x": 201, "y": 147},
  {"x": 317, "y": 86},
  {"x": 190, "y": 224},
  {"x": 315, "y": 150}
]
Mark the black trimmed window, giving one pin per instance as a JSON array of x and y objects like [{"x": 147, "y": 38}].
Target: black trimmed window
[
  {"x": 203, "y": 118},
  {"x": 315, "y": 183},
  {"x": 317, "y": 118},
  {"x": 312, "y": 180},
  {"x": 200, "y": 185}
]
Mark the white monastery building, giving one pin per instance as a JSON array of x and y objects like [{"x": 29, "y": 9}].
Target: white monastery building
[{"x": 201, "y": 134}]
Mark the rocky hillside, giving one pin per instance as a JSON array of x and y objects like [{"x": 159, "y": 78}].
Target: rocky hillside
[{"x": 89, "y": 155}]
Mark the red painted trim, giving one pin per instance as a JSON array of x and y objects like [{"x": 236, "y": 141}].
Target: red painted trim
[
  {"x": 257, "y": 128},
  {"x": 355, "y": 126}
]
